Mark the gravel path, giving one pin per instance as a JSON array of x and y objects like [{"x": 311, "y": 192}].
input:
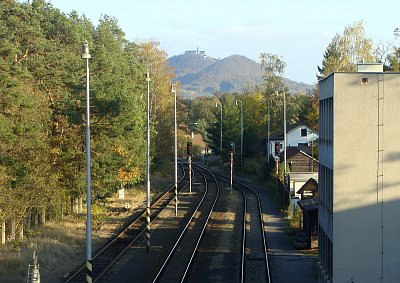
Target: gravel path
[{"x": 287, "y": 264}]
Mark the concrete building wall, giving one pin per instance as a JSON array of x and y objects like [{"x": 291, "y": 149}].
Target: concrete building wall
[
  {"x": 364, "y": 160},
  {"x": 391, "y": 177},
  {"x": 356, "y": 217}
]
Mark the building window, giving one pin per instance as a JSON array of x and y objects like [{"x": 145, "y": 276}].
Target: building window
[{"x": 303, "y": 132}]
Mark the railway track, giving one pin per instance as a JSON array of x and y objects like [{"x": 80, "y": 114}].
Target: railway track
[
  {"x": 176, "y": 265},
  {"x": 254, "y": 263},
  {"x": 131, "y": 233},
  {"x": 182, "y": 251}
]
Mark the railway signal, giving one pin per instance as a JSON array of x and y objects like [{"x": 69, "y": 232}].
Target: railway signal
[
  {"x": 189, "y": 149},
  {"x": 277, "y": 148}
]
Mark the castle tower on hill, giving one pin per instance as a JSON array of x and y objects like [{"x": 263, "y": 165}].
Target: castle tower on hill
[{"x": 198, "y": 52}]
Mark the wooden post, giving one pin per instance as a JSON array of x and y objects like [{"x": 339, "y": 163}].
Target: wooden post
[
  {"x": 80, "y": 204},
  {"x": 76, "y": 206},
  {"x": 43, "y": 216},
  {"x": 21, "y": 232},
  {"x": 3, "y": 233},
  {"x": 36, "y": 221},
  {"x": 13, "y": 229}
]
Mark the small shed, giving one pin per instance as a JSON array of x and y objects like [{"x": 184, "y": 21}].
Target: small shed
[
  {"x": 299, "y": 161},
  {"x": 310, "y": 216},
  {"x": 296, "y": 180},
  {"x": 309, "y": 206},
  {"x": 309, "y": 189}
]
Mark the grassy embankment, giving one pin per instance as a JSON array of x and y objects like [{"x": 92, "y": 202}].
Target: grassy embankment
[{"x": 60, "y": 244}]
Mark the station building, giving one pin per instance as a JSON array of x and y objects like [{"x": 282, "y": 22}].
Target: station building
[{"x": 359, "y": 176}]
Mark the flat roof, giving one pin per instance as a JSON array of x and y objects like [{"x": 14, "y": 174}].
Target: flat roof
[{"x": 384, "y": 73}]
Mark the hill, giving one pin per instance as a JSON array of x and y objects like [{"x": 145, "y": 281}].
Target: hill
[
  {"x": 201, "y": 75},
  {"x": 190, "y": 62}
]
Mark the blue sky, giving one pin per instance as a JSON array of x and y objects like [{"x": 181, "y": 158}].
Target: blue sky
[{"x": 299, "y": 31}]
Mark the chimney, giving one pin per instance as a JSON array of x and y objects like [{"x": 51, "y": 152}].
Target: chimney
[{"x": 370, "y": 67}]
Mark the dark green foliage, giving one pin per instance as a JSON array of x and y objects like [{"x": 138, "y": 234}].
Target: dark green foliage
[{"x": 42, "y": 107}]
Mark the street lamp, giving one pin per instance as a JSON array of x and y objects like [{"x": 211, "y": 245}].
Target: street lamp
[
  {"x": 147, "y": 78},
  {"x": 311, "y": 137},
  {"x": 284, "y": 133},
  {"x": 241, "y": 134},
  {"x": 86, "y": 55},
  {"x": 191, "y": 128},
  {"x": 189, "y": 156},
  {"x": 220, "y": 143},
  {"x": 268, "y": 132},
  {"x": 173, "y": 90}
]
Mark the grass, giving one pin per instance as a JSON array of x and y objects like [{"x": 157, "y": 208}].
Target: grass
[
  {"x": 55, "y": 244},
  {"x": 60, "y": 245}
]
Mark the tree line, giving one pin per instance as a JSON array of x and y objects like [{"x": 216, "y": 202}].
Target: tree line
[
  {"x": 42, "y": 110},
  {"x": 346, "y": 49},
  {"x": 42, "y": 107}
]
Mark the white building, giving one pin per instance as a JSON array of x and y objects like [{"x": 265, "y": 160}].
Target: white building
[
  {"x": 359, "y": 177},
  {"x": 298, "y": 134}
]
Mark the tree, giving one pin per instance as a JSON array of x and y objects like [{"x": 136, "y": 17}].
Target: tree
[
  {"x": 255, "y": 123},
  {"x": 346, "y": 50},
  {"x": 393, "y": 57},
  {"x": 162, "y": 109},
  {"x": 25, "y": 161},
  {"x": 274, "y": 67},
  {"x": 312, "y": 115},
  {"x": 117, "y": 110}
]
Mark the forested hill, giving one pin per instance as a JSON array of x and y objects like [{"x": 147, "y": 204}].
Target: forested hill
[{"x": 201, "y": 75}]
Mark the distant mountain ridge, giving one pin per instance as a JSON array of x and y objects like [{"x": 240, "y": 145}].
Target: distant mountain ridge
[{"x": 201, "y": 75}]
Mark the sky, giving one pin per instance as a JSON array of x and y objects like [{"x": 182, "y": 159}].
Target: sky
[{"x": 298, "y": 31}]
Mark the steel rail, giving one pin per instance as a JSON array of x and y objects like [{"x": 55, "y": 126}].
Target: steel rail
[
  {"x": 109, "y": 246},
  {"x": 184, "y": 231},
  {"x": 137, "y": 237},
  {"x": 261, "y": 221},
  {"x": 204, "y": 227}
]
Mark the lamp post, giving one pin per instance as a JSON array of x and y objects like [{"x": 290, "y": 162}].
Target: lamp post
[
  {"x": 189, "y": 156},
  {"x": 268, "y": 132},
  {"x": 191, "y": 132},
  {"x": 220, "y": 143},
  {"x": 86, "y": 55},
  {"x": 310, "y": 138},
  {"x": 147, "y": 78},
  {"x": 173, "y": 90},
  {"x": 284, "y": 133},
  {"x": 241, "y": 134}
]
